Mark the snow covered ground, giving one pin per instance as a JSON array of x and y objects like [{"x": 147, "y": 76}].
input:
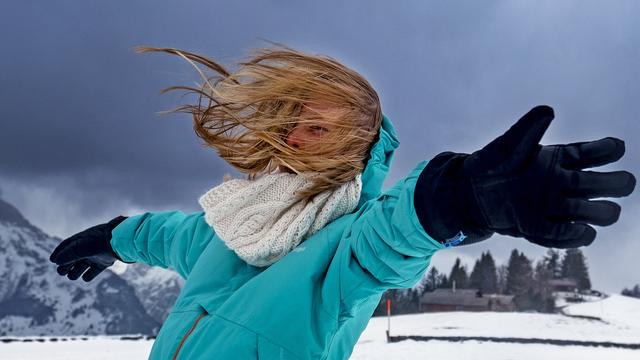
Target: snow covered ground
[
  {"x": 620, "y": 323},
  {"x": 616, "y": 309},
  {"x": 96, "y": 348},
  {"x": 105, "y": 349},
  {"x": 474, "y": 350},
  {"x": 620, "y": 328}
]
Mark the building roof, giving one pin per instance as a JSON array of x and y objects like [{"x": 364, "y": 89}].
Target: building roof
[
  {"x": 464, "y": 297},
  {"x": 563, "y": 282}
]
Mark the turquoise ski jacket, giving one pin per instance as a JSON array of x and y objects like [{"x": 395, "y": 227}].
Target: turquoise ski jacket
[{"x": 313, "y": 303}]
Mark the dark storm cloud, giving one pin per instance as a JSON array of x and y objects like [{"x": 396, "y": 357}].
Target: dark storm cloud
[{"x": 80, "y": 137}]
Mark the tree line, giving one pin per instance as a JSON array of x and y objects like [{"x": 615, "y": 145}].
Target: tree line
[
  {"x": 526, "y": 280},
  {"x": 634, "y": 291}
]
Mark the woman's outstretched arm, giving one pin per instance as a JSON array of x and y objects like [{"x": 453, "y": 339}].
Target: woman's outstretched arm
[
  {"x": 170, "y": 239},
  {"x": 386, "y": 246},
  {"x": 513, "y": 186}
]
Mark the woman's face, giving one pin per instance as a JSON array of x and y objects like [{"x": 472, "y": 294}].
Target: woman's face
[{"x": 308, "y": 134}]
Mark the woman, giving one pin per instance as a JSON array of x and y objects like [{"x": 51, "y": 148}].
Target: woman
[{"x": 291, "y": 262}]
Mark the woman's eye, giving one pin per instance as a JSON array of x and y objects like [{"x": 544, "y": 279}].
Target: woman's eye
[{"x": 318, "y": 129}]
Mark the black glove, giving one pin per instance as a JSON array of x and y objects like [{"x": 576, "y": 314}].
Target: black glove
[
  {"x": 89, "y": 250},
  {"x": 515, "y": 186}
]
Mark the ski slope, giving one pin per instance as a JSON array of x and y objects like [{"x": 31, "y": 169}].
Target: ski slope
[
  {"x": 616, "y": 309},
  {"x": 619, "y": 322}
]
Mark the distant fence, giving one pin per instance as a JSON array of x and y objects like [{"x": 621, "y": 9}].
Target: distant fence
[
  {"x": 74, "y": 338},
  {"x": 558, "y": 342}
]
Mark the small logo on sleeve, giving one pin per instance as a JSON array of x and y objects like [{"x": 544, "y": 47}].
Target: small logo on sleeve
[{"x": 454, "y": 241}]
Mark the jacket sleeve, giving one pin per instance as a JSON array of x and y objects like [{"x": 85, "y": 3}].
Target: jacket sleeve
[
  {"x": 170, "y": 239},
  {"x": 387, "y": 246}
]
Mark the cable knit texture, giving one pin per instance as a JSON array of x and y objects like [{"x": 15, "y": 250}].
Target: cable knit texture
[{"x": 261, "y": 220}]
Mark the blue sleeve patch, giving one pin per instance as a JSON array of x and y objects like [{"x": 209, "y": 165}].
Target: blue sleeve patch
[{"x": 456, "y": 240}]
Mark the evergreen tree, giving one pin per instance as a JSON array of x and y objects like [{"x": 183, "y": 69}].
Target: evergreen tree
[
  {"x": 415, "y": 301},
  {"x": 520, "y": 280},
  {"x": 443, "y": 282},
  {"x": 484, "y": 275},
  {"x": 407, "y": 301},
  {"x": 574, "y": 266},
  {"x": 519, "y": 273},
  {"x": 489, "y": 274},
  {"x": 475, "y": 279},
  {"x": 421, "y": 286},
  {"x": 502, "y": 279},
  {"x": 512, "y": 273},
  {"x": 543, "y": 293},
  {"x": 459, "y": 275},
  {"x": 433, "y": 276},
  {"x": 552, "y": 263},
  {"x": 428, "y": 283}
]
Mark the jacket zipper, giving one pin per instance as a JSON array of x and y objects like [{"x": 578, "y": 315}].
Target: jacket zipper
[{"x": 184, "y": 338}]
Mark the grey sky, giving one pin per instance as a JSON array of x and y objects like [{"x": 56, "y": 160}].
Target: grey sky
[{"x": 80, "y": 140}]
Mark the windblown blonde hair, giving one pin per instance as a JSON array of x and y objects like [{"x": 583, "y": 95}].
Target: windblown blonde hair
[{"x": 246, "y": 115}]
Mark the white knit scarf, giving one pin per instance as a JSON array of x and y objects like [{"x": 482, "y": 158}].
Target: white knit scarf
[{"x": 261, "y": 220}]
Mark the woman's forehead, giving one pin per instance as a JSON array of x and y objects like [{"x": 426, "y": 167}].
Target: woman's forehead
[{"x": 322, "y": 108}]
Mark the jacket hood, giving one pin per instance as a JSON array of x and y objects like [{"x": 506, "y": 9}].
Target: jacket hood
[{"x": 379, "y": 161}]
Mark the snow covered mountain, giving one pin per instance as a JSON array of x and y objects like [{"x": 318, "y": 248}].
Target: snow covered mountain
[
  {"x": 35, "y": 300},
  {"x": 156, "y": 288}
]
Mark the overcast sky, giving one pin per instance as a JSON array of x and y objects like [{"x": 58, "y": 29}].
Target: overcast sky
[{"x": 81, "y": 141}]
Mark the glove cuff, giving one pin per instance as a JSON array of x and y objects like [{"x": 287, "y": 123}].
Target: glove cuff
[
  {"x": 112, "y": 224},
  {"x": 444, "y": 202}
]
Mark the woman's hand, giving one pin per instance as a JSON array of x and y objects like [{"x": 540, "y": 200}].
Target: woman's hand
[
  {"x": 89, "y": 250},
  {"x": 515, "y": 186}
]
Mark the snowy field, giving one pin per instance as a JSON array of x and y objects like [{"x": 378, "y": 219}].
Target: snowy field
[
  {"x": 96, "y": 348},
  {"x": 620, "y": 323}
]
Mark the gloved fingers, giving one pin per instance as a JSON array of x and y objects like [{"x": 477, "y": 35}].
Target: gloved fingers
[
  {"x": 64, "y": 269},
  {"x": 589, "y": 154},
  {"x": 65, "y": 253},
  {"x": 79, "y": 246},
  {"x": 596, "y": 212},
  {"x": 63, "y": 245},
  {"x": 517, "y": 144},
  {"x": 92, "y": 272},
  {"x": 593, "y": 184},
  {"x": 565, "y": 235},
  {"x": 77, "y": 270}
]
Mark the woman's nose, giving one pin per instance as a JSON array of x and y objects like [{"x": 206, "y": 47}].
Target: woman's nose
[
  {"x": 293, "y": 142},
  {"x": 293, "y": 139}
]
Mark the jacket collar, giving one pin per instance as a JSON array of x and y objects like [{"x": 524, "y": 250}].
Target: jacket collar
[{"x": 379, "y": 161}]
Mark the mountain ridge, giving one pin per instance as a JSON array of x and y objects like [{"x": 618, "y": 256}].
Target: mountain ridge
[{"x": 35, "y": 300}]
